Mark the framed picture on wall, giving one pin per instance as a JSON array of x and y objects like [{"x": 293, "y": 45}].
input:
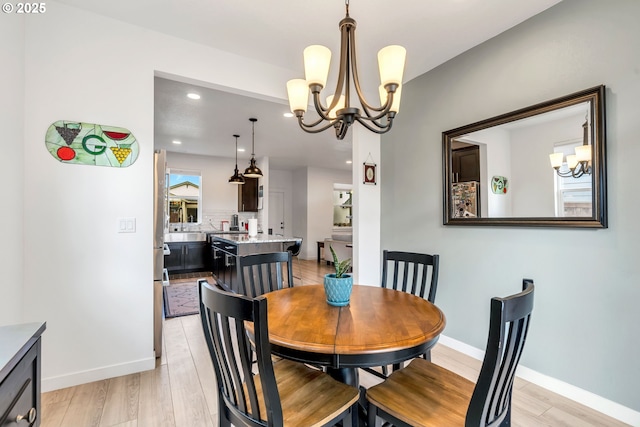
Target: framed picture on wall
[{"x": 369, "y": 173}]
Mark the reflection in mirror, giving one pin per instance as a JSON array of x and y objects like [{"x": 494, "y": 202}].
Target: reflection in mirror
[{"x": 498, "y": 171}]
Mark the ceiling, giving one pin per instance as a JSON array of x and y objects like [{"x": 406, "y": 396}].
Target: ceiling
[{"x": 276, "y": 32}]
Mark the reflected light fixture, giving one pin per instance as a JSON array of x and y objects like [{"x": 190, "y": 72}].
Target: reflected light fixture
[
  {"x": 253, "y": 171},
  {"x": 339, "y": 112},
  {"x": 236, "y": 178},
  {"x": 579, "y": 163}
]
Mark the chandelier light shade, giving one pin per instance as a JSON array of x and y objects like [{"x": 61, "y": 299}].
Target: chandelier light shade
[
  {"x": 237, "y": 177},
  {"x": 253, "y": 171},
  {"x": 579, "y": 163},
  {"x": 338, "y": 112}
]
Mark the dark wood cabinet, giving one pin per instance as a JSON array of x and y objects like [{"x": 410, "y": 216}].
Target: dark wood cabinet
[
  {"x": 248, "y": 195},
  {"x": 224, "y": 260},
  {"x": 195, "y": 256},
  {"x": 173, "y": 261},
  {"x": 217, "y": 260},
  {"x": 20, "y": 374},
  {"x": 466, "y": 164},
  {"x": 187, "y": 257}
]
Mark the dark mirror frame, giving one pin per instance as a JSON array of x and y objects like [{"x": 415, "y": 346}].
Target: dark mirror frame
[{"x": 599, "y": 182}]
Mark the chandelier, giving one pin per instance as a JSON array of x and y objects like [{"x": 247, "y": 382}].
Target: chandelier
[
  {"x": 253, "y": 171},
  {"x": 579, "y": 163},
  {"x": 339, "y": 113},
  {"x": 237, "y": 177}
]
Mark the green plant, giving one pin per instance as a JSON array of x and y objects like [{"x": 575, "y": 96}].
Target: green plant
[{"x": 341, "y": 266}]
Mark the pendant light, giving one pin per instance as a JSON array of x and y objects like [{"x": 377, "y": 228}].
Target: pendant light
[
  {"x": 237, "y": 178},
  {"x": 253, "y": 171}
]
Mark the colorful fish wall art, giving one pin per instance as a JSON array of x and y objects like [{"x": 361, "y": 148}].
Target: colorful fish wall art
[{"x": 91, "y": 144}]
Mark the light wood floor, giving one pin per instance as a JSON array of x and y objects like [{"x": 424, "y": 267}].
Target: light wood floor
[{"x": 180, "y": 392}]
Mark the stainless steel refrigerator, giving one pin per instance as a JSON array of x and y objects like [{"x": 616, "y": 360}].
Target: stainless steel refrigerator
[{"x": 159, "y": 215}]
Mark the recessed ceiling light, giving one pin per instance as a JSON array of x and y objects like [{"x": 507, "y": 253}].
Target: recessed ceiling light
[
  {"x": 193, "y": 96},
  {"x": 288, "y": 114},
  {"x": 349, "y": 162},
  {"x": 175, "y": 141},
  {"x": 241, "y": 150}
]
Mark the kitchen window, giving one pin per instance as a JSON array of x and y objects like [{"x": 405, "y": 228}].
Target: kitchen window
[{"x": 185, "y": 196}]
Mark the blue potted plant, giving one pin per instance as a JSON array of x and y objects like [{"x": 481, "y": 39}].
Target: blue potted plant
[{"x": 338, "y": 285}]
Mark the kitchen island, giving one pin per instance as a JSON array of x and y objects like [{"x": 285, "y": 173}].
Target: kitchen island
[{"x": 226, "y": 248}]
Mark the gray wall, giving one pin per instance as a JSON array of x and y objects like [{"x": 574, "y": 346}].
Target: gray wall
[{"x": 584, "y": 329}]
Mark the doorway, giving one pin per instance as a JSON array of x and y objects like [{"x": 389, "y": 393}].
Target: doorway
[{"x": 276, "y": 212}]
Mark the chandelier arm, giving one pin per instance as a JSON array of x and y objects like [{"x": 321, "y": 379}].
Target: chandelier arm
[
  {"x": 580, "y": 169},
  {"x": 322, "y": 112},
  {"x": 344, "y": 62},
  {"x": 356, "y": 82},
  {"x": 383, "y": 113},
  {"x": 564, "y": 174},
  {"x": 577, "y": 171},
  {"x": 375, "y": 123},
  {"x": 311, "y": 127},
  {"x": 382, "y": 128}
]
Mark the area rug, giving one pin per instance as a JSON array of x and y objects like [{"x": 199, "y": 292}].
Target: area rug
[{"x": 181, "y": 298}]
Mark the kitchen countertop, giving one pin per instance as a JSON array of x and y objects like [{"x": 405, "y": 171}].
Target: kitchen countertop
[
  {"x": 260, "y": 238},
  {"x": 12, "y": 340},
  {"x": 216, "y": 232}
]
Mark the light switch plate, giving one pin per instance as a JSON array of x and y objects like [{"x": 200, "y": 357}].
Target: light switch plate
[{"x": 127, "y": 225}]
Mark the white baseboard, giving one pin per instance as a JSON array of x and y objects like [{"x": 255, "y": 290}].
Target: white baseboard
[
  {"x": 83, "y": 377},
  {"x": 583, "y": 397}
]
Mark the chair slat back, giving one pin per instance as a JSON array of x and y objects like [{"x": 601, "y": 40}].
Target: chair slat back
[
  {"x": 510, "y": 317},
  {"x": 266, "y": 272},
  {"x": 223, "y": 315},
  {"x": 411, "y": 272}
]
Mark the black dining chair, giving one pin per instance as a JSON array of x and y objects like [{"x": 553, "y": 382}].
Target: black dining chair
[
  {"x": 410, "y": 272},
  {"x": 425, "y": 394},
  {"x": 262, "y": 273},
  {"x": 295, "y": 251},
  {"x": 265, "y": 272},
  {"x": 284, "y": 393}
]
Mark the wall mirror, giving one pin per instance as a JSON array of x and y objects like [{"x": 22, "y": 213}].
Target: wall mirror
[{"x": 541, "y": 166}]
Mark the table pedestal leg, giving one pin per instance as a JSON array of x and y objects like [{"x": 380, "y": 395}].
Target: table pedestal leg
[
  {"x": 345, "y": 375},
  {"x": 351, "y": 377}
]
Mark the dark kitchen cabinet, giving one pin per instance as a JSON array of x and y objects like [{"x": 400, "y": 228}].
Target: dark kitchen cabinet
[
  {"x": 216, "y": 259},
  {"x": 187, "y": 256},
  {"x": 248, "y": 195},
  {"x": 173, "y": 261},
  {"x": 224, "y": 256},
  {"x": 20, "y": 374},
  {"x": 466, "y": 164}
]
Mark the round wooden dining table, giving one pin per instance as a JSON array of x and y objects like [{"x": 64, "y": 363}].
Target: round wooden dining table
[{"x": 379, "y": 327}]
